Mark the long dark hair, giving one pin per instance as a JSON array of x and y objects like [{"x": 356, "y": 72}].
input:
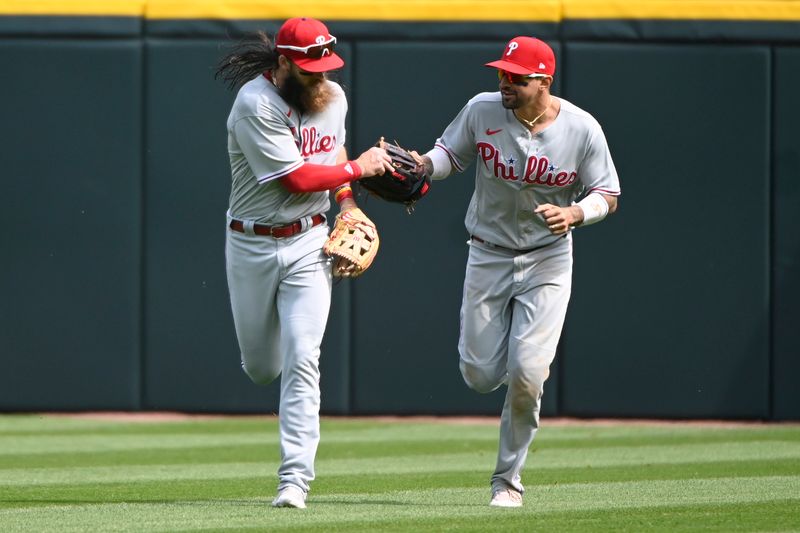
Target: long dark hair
[{"x": 248, "y": 58}]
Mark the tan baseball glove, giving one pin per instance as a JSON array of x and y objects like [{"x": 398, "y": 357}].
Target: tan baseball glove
[{"x": 352, "y": 244}]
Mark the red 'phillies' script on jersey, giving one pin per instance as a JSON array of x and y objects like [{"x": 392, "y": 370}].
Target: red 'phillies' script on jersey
[
  {"x": 538, "y": 170},
  {"x": 311, "y": 142}
]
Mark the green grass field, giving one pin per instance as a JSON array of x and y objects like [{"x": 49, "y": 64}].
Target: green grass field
[{"x": 81, "y": 474}]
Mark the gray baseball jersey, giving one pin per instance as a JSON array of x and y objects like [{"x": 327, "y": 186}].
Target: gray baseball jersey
[
  {"x": 267, "y": 139},
  {"x": 517, "y": 170}
]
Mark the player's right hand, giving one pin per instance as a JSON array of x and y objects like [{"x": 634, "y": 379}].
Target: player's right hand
[
  {"x": 559, "y": 219},
  {"x": 374, "y": 162}
]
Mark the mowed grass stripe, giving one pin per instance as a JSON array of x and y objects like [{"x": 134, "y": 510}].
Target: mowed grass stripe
[
  {"x": 343, "y": 430},
  {"x": 118, "y": 453},
  {"x": 35, "y": 444},
  {"x": 66, "y": 424},
  {"x": 414, "y": 463},
  {"x": 724, "y": 518},
  {"x": 144, "y": 441},
  {"x": 371, "y": 483},
  {"x": 147, "y": 473},
  {"x": 267, "y": 450},
  {"x": 346, "y": 429},
  {"x": 392, "y": 507},
  {"x": 401, "y": 476},
  {"x": 97, "y": 436}
]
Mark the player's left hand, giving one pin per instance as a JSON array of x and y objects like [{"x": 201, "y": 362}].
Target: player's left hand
[{"x": 559, "y": 220}]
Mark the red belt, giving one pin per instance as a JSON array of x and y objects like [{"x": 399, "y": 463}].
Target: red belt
[{"x": 286, "y": 230}]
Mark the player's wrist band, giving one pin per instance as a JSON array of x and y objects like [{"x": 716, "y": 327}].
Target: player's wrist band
[
  {"x": 342, "y": 193},
  {"x": 594, "y": 207}
]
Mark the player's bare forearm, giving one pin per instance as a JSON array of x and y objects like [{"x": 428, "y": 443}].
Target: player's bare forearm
[
  {"x": 346, "y": 204},
  {"x": 427, "y": 162},
  {"x": 612, "y": 203}
]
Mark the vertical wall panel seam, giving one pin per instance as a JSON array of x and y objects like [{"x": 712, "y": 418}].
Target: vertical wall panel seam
[
  {"x": 143, "y": 226},
  {"x": 771, "y": 254}
]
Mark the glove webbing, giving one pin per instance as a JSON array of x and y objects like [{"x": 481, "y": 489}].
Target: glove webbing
[{"x": 395, "y": 152}]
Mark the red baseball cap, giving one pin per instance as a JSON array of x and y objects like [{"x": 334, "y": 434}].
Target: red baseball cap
[
  {"x": 309, "y": 44},
  {"x": 526, "y": 55}
]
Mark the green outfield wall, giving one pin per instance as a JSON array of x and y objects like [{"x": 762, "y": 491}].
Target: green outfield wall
[{"x": 113, "y": 159}]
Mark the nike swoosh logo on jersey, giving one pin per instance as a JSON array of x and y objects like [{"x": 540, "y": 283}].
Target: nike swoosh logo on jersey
[{"x": 492, "y": 132}]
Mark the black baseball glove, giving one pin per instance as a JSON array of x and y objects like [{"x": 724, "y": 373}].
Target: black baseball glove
[{"x": 406, "y": 184}]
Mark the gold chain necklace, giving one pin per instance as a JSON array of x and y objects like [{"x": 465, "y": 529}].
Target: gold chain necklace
[{"x": 532, "y": 123}]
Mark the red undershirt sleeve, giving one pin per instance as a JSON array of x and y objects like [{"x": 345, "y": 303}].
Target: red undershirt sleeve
[{"x": 314, "y": 178}]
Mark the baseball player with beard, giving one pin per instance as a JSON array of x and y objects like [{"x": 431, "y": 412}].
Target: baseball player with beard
[
  {"x": 536, "y": 155},
  {"x": 286, "y": 138}
]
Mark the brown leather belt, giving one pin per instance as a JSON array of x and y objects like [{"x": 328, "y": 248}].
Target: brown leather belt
[{"x": 279, "y": 232}]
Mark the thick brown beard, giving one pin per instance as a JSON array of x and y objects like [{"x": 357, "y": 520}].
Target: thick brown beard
[{"x": 305, "y": 99}]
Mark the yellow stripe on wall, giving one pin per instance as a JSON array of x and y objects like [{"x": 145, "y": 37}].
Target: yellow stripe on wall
[
  {"x": 399, "y": 10},
  {"x": 683, "y": 9},
  {"x": 416, "y": 10},
  {"x": 122, "y": 8}
]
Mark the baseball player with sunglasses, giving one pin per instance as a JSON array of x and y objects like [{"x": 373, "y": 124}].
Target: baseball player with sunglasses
[
  {"x": 286, "y": 138},
  {"x": 536, "y": 155}
]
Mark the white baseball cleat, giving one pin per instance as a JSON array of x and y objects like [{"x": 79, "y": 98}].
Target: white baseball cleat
[
  {"x": 506, "y": 498},
  {"x": 290, "y": 496}
]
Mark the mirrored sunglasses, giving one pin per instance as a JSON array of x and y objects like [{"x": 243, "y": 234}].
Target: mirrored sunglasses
[
  {"x": 313, "y": 51},
  {"x": 518, "y": 79}
]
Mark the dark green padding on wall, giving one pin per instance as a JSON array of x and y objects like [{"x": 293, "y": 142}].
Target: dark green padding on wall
[
  {"x": 670, "y": 312},
  {"x": 71, "y": 172},
  {"x": 786, "y": 202},
  {"x": 49, "y": 27},
  {"x": 116, "y": 175}
]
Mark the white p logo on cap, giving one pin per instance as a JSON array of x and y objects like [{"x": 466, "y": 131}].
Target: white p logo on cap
[{"x": 511, "y": 47}]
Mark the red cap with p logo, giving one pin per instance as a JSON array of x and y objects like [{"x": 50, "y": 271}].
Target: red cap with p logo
[
  {"x": 309, "y": 44},
  {"x": 526, "y": 55}
]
